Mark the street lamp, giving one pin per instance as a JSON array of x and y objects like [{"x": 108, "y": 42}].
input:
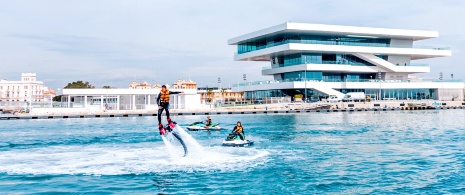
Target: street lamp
[
  {"x": 379, "y": 78},
  {"x": 305, "y": 77},
  {"x": 220, "y": 90},
  {"x": 244, "y": 76}
]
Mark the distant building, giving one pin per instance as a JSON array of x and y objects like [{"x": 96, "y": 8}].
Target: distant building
[
  {"x": 136, "y": 85},
  {"x": 214, "y": 95},
  {"x": 25, "y": 90},
  {"x": 181, "y": 84}
]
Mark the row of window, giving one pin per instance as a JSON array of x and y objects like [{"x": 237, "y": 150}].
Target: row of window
[
  {"x": 326, "y": 76},
  {"x": 399, "y": 94},
  {"x": 272, "y": 41},
  {"x": 319, "y": 58}
]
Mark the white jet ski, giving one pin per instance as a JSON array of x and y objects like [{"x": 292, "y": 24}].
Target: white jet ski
[
  {"x": 232, "y": 141},
  {"x": 237, "y": 143}
]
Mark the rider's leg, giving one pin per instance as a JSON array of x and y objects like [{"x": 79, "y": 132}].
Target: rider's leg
[
  {"x": 160, "y": 111},
  {"x": 242, "y": 138},
  {"x": 167, "y": 106}
]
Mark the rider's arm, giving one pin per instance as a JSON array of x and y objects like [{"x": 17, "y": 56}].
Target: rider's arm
[
  {"x": 158, "y": 99},
  {"x": 177, "y": 92}
]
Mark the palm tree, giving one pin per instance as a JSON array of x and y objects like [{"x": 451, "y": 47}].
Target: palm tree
[{"x": 209, "y": 94}]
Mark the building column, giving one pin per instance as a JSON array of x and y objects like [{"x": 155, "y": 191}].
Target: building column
[
  {"x": 85, "y": 101},
  {"x": 69, "y": 101},
  {"x": 134, "y": 102},
  {"x": 117, "y": 102},
  {"x": 101, "y": 102}
]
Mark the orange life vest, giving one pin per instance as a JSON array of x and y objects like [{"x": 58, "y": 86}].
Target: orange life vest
[
  {"x": 165, "y": 96},
  {"x": 238, "y": 130}
]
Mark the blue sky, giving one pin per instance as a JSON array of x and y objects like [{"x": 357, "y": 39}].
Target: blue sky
[{"x": 115, "y": 42}]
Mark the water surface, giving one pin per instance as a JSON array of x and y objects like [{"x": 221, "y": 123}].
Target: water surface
[{"x": 409, "y": 152}]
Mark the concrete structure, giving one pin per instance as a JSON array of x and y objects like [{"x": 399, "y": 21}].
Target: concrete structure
[
  {"x": 28, "y": 89},
  {"x": 333, "y": 60}
]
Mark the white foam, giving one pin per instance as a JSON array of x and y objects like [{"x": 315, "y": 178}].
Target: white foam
[{"x": 117, "y": 159}]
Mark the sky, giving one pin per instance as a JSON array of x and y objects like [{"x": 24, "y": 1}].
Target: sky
[{"x": 113, "y": 42}]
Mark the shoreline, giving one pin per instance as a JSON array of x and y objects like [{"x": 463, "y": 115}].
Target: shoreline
[{"x": 60, "y": 113}]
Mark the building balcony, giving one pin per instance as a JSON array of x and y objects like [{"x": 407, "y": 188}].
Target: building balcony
[
  {"x": 343, "y": 68},
  {"x": 255, "y": 48},
  {"x": 295, "y": 48},
  {"x": 302, "y": 80}
]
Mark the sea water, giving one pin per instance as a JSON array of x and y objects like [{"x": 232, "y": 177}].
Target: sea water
[{"x": 408, "y": 152}]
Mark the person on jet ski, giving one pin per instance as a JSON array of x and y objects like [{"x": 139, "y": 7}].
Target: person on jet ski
[
  {"x": 163, "y": 101},
  {"x": 239, "y": 131},
  {"x": 208, "y": 122}
]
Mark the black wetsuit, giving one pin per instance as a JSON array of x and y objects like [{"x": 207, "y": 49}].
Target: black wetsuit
[
  {"x": 209, "y": 122},
  {"x": 164, "y": 103}
]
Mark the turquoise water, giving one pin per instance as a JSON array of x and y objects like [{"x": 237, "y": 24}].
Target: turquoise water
[{"x": 416, "y": 152}]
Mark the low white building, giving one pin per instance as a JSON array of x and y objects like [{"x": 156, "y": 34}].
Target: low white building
[
  {"x": 28, "y": 89},
  {"x": 127, "y": 99}
]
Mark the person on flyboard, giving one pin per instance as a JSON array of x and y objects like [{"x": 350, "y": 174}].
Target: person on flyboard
[{"x": 163, "y": 101}]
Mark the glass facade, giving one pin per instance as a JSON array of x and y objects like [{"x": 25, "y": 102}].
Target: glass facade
[
  {"x": 271, "y": 41},
  {"x": 327, "y": 76},
  {"x": 320, "y": 58},
  {"x": 280, "y": 93},
  {"x": 397, "y": 94},
  {"x": 386, "y": 94}
]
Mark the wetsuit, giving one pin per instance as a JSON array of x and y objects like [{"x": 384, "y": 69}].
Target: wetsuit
[
  {"x": 238, "y": 130},
  {"x": 163, "y": 100},
  {"x": 209, "y": 122}
]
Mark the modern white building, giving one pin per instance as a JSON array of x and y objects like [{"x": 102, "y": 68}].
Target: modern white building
[
  {"x": 26, "y": 90},
  {"x": 333, "y": 60}
]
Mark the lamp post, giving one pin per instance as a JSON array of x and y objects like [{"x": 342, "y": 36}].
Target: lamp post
[
  {"x": 379, "y": 78},
  {"x": 305, "y": 77},
  {"x": 220, "y": 90},
  {"x": 244, "y": 76}
]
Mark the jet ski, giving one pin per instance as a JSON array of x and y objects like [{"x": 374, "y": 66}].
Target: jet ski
[
  {"x": 197, "y": 126},
  {"x": 232, "y": 141}
]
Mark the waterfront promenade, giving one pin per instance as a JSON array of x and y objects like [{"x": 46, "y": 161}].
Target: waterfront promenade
[{"x": 50, "y": 113}]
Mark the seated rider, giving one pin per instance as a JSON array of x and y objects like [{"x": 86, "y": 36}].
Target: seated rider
[
  {"x": 239, "y": 131},
  {"x": 163, "y": 101},
  {"x": 208, "y": 122}
]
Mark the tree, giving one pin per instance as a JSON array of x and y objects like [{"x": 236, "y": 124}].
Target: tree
[
  {"x": 57, "y": 98},
  {"x": 209, "y": 91},
  {"x": 79, "y": 85},
  {"x": 106, "y": 87}
]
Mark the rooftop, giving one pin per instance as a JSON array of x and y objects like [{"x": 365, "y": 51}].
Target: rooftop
[{"x": 353, "y": 31}]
